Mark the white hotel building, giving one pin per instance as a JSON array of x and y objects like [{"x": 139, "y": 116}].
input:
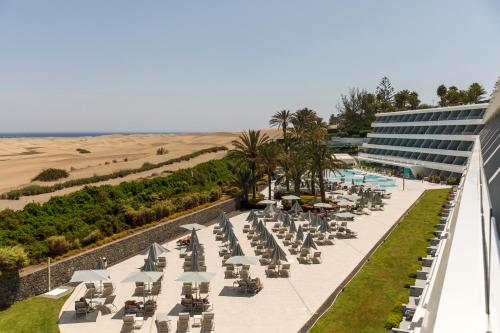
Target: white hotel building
[{"x": 429, "y": 141}]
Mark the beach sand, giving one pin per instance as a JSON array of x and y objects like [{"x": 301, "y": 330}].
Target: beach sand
[{"x": 21, "y": 159}]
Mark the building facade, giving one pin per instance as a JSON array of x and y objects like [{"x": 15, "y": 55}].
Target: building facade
[{"x": 437, "y": 141}]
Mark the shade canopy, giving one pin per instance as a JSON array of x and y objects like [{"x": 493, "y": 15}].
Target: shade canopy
[
  {"x": 309, "y": 242},
  {"x": 192, "y": 226},
  {"x": 322, "y": 205},
  {"x": 195, "y": 277},
  {"x": 345, "y": 203},
  {"x": 290, "y": 197},
  {"x": 90, "y": 275},
  {"x": 145, "y": 277},
  {"x": 242, "y": 260}
]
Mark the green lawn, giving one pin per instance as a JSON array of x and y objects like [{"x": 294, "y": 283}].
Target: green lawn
[
  {"x": 376, "y": 292},
  {"x": 35, "y": 314}
]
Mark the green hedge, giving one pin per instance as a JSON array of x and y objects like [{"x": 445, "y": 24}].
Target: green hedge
[
  {"x": 36, "y": 189},
  {"x": 87, "y": 215}
]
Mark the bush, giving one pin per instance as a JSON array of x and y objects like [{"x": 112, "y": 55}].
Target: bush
[
  {"x": 435, "y": 179},
  {"x": 161, "y": 151},
  {"x": 364, "y": 133},
  {"x": 83, "y": 151},
  {"x": 92, "y": 237},
  {"x": 57, "y": 245},
  {"x": 452, "y": 181},
  {"x": 12, "y": 258},
  {"x": 393, "y": 320},
  {"x": 51, "y": 174}
]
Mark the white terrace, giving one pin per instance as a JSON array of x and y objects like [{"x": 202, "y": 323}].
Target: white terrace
[{"x": 284, "y": 305}]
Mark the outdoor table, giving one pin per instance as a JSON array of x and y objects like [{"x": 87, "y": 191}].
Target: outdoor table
[{"x": 196, "y": 320}]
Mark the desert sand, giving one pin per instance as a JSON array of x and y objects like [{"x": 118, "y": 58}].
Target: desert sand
[{"x": 21, "y": 159}]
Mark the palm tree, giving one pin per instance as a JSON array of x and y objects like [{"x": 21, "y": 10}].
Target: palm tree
[
  {"x": 282, "y": 119},
  {"x": 244, "y": 180},
  {"x": 325, "y": 161},
  {"x": 269, "y": 157},
  {"x": 298, "y": 166},
  {"x": 246, "y": 150}
]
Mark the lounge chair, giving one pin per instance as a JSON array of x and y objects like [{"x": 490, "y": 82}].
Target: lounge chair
[
  {"x": 130, "y": 322},
  {"x": 187, "y": 304},
  {"x": 204, "y": 287},
  {"x": 81, "y": 308},
  {"x": 285, "y": 273},
  {"x": 183, "y": 322},
  {"x": 139, "y": 291},
  {"x": 163, "y": 323},
  {"x": 187, "y": 288},
  {"x": 229, "y": 274},
  {"x": 244, "y": 275},
  {"x": 107, "y": 292},
  {"x": 108, "y": 285},
  {"x": 149, "y": 309},
  {"x": 316, "y": 259},
  {"x": 271, "y": 273},
  {"x": 109, "y": 303},
  {"x": 207, "y": 322}
]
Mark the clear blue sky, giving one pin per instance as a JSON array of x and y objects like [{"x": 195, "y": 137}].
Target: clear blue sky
[{"x": 227, "y": 65}]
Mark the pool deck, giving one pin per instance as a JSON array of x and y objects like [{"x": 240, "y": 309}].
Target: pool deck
[{"x": 284, "y": 305}]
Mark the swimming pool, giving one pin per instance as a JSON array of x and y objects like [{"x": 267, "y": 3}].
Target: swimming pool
[{"x": 359, "y": 177}]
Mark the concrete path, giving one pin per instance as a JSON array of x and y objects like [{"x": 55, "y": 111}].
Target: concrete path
[{"x": 284, "y": 305}]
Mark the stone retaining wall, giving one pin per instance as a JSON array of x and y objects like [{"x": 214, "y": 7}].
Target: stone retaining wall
[{"x": 16, "y": 287}]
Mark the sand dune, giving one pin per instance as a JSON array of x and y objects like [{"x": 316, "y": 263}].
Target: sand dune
[{"x": 21, "y": 159}]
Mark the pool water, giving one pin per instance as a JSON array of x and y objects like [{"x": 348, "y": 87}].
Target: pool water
[{"x": 358, "y": 177}]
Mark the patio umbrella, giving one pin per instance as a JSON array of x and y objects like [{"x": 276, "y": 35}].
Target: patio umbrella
[
  {"x": 290, "y": 197},
  {"x": 194, "y": 226},
  {"x": 345, "y": 203},
  {"x": 269, "y": 210},
  {"x": 309, "y": 243},
  {"x": 228, "y": 226},
  {"x": 266, "y": 202},
  {"x": 221, "y": 216},
  {"x": 296, "y": 208},
  {"x": 194, "y": 260},
  {"x": 260, "y": 227},
  {"x": 242, "y": 260},
  {"x": 101, "y": 265},
  {"x": 250, "y": 216},
  {"x": 90, "y": 275},
  {"x": 230, "y": 237},
  {"x": 352, "y": 197},
  {"x": 255, "y": 221},
  {"x": 314, "y": 201},
  {"x": 324, "y": 226},
  {"x": 195, "y": 277},
  {"x": 286, "y": 220},
  {"x": 314, "y": 220},
  {"x": 322, "y": 205},
  {"x": 344, "y": 215},
  {"x": 281, "y": 216},
  {"x": 308, "y": 216},
  {"x": 293, "y": 227},
  {"x": 271, "y": 242},
  {"x": 154, "y": 250},
  {"x": 144, "y": 277},
  {"x": 194, "y": 242},
  {"x": 278, "y": 255},
  {"x": 149, "y": 266},
  {"x": 300, "y": 233},
  {"x": 236, "y": 250}
]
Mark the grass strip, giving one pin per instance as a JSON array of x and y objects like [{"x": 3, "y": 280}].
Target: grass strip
[{"x": 372, "y": 300}]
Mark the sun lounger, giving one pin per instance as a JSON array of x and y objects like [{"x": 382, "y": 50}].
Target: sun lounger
[
  {"x": 183, "y": 322},
  {"x": 187, "y": 304},
  {"x": 163, "y": 323},
  {"x": 316, "y": 259},
  {"x": 187, "y": 288},
  {"x": 285, "y": 273},
  {"x": 207, "y": 322},
  {"x": 81, "y": 308},
  {"x": 130, "y": 322},
  {"x": 229, "y": 274},
  {"x": 271, "y": 273},
  {"x": 204, "y": 287}
]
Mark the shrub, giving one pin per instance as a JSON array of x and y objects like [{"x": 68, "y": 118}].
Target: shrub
[
  {"x": 364, "y": 133},
  {"x": 51, "y": 174},
  {"x": 83, "y": 151},
  {"x": 92, "y": 237},
  {"x": 419, "y": 176},
  {"x": 393, "y": 320},
  {"x": 435, "y": 179},
  {"x": 161, "y": 151},
  {"x": 12, "y": 258},
  {"x": 452, "y": 181},
  {"x": 57, "y": 245},
  {"x": 125, "y": 159}
]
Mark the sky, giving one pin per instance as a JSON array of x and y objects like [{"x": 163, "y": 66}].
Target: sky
[{"x": 189, "y": 66}]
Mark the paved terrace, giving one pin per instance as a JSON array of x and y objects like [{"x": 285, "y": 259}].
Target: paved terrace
[{"x": 284, "y": 305}]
